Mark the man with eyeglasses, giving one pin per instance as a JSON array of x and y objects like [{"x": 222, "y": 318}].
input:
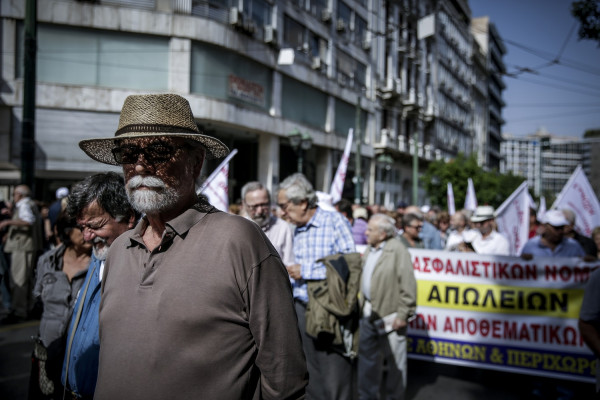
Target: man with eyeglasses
[
  {"x": 100, "y": 207},
  {"x": 196, "y": 303},
  {"x": 411, "y": 237},
  {"x": 318, "y": 233},
  {"x": 552, "y": 242},
  {"x": 256, "y": 203}
]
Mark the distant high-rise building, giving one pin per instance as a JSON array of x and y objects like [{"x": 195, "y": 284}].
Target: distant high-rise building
[
  {"x": 548, "y": 161},
  {"x": 491, "y": 45}
]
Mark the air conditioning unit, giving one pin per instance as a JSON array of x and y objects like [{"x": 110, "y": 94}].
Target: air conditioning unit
[
  {"x": 341, "y": 25},
  {"x": 270, "y": 34},
  {"x": 366, "y": 42},
  {"x": 387, "y": 138},
  {"x": 316, "y": 63},
  {"x": 326, "y": 15},
  {"x": 235, "y": 17}
]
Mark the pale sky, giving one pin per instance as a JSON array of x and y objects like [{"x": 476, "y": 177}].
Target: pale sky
[{"x": 563, "y": 97}]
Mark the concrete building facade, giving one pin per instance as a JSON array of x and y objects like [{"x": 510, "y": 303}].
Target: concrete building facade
[{"x": 398, "y": 72}]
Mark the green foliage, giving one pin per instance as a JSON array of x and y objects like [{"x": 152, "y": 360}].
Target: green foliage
[
  {"x": 491, "y": 187},
  {"x": 587, "y": 12},
  {"x": 592, "y": 133}
]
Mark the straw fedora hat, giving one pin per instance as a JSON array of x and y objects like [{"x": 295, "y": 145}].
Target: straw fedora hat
[{"x": 153, "y": 115}]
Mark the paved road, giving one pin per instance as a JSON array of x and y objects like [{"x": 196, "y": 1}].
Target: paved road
[{"x": 425, "y": 380}]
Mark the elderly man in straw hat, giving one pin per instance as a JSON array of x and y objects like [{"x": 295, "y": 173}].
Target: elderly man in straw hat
[{"x": 196, "y": 303}]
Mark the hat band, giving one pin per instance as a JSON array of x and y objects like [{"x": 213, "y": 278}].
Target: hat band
[{"x": 154, "y": 128}]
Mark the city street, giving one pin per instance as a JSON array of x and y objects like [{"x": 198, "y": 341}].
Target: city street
[{"x": 425, "y": 380}]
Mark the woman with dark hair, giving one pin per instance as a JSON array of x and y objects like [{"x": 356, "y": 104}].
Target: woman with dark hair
[{"x": 60, "y": 274}]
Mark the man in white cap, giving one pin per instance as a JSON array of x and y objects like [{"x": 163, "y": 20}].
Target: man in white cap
[
  {"x": 490, "y": 241},
  {"x": 196, "y": 303},
  {"x": 553, "y": 242}
]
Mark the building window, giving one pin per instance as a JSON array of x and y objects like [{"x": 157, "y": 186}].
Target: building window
[
  {"x": 228, "y": 76},
  {"x": 79, "y": 56},
  {"x": 293, "y": 34},
  {"x": 311, "y": 49},
  {"x": 303, "y": 103},
  {"x": 349, "y": 71},
  {"x": 259, "y": 10},
  {"x": 319, "y": 8},
  {"x": 345, "y": 118},
  {"x": 344, "y": 19}
]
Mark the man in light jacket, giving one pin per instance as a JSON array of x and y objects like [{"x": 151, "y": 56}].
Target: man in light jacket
[{"x": 389, "y": 291}]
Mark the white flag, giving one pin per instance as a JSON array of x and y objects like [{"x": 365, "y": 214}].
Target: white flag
[
  {"x": 531, "y": 202},
  {"x": 450, "y": 194},
  {"x": 216, "y": 186},
  {"x": 470, "y": 199},
  {"x": 542, "y": 209},
  {"x": 337, "y": 186},
  {"x": 579, "y": 196},
  {"x": 512, "y": 218}
]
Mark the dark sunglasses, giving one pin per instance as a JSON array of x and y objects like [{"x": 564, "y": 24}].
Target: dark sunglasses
[{"x": 153, "y": 153}]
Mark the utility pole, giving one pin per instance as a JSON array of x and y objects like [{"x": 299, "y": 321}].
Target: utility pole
[
  {"x": 29, "y": 81},
  {"x": 357, "y": 176},
  {"x": 415, "y": 171}
]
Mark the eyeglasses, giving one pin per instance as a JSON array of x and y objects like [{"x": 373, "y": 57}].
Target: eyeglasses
[
  {"x": 284, "y": 206},
  {"x": 153, "y": 153},
  {"x": 257, "y": 206}
]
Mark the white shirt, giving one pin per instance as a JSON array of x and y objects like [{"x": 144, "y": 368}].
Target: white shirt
[
  {"x": 494, "y": 244},
  {"x": 25, "y": 211},
  {"x": 281, "y": 236},
  {"x": 368, "y": 269}
]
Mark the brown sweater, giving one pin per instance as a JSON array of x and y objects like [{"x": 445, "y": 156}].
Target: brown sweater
[{"x": 208, "y": 314}]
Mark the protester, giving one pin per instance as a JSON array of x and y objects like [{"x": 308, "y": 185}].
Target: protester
[
  {"x": 196, "y": 303},
  {"x": 389, "y": 290},
  {"x": 344, "y": 207},
  {"x": 596, "y": 238},
  {"x": 589, "y": 320},
  {"x": 48, "y": 239},
  {"x": 256, "y": 203},
  {"x": 23, "y": 243},
  {"x": 489, "y": 241},
  {"x": 101, "y": 208},
  {"x": 318, "y": 233},
  {"x": 552, "y": 242},
  {"x": 60, "y": 274},
  {"x": 411, "y": 236},
  {"x": 360, "y": 216},
  {"x": 429, "y": 234},
  {"x": 443, "y": 226},
  {"x": 57, "y": 206},
  {"x": 458, "y": 226},
  {"x": 588, "y": 244},
  {"x": 534, "y": 224}
]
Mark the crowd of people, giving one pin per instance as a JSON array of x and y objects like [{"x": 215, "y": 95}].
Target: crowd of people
[{"x": 147, "y": 291}]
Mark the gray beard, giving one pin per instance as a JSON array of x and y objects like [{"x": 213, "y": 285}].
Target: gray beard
[
  {"x": 150, "y": 201},
  {"x": 261, "y": 220},
  {"x": 100, "y": 254}
]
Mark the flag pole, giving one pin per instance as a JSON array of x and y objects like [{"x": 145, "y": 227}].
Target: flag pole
[{"x": 216, "y": 171}]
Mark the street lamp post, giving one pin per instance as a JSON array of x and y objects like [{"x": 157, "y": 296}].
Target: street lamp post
[
  {"x": 300, "y": 142},
  {"x": 358, "y": 175}
]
